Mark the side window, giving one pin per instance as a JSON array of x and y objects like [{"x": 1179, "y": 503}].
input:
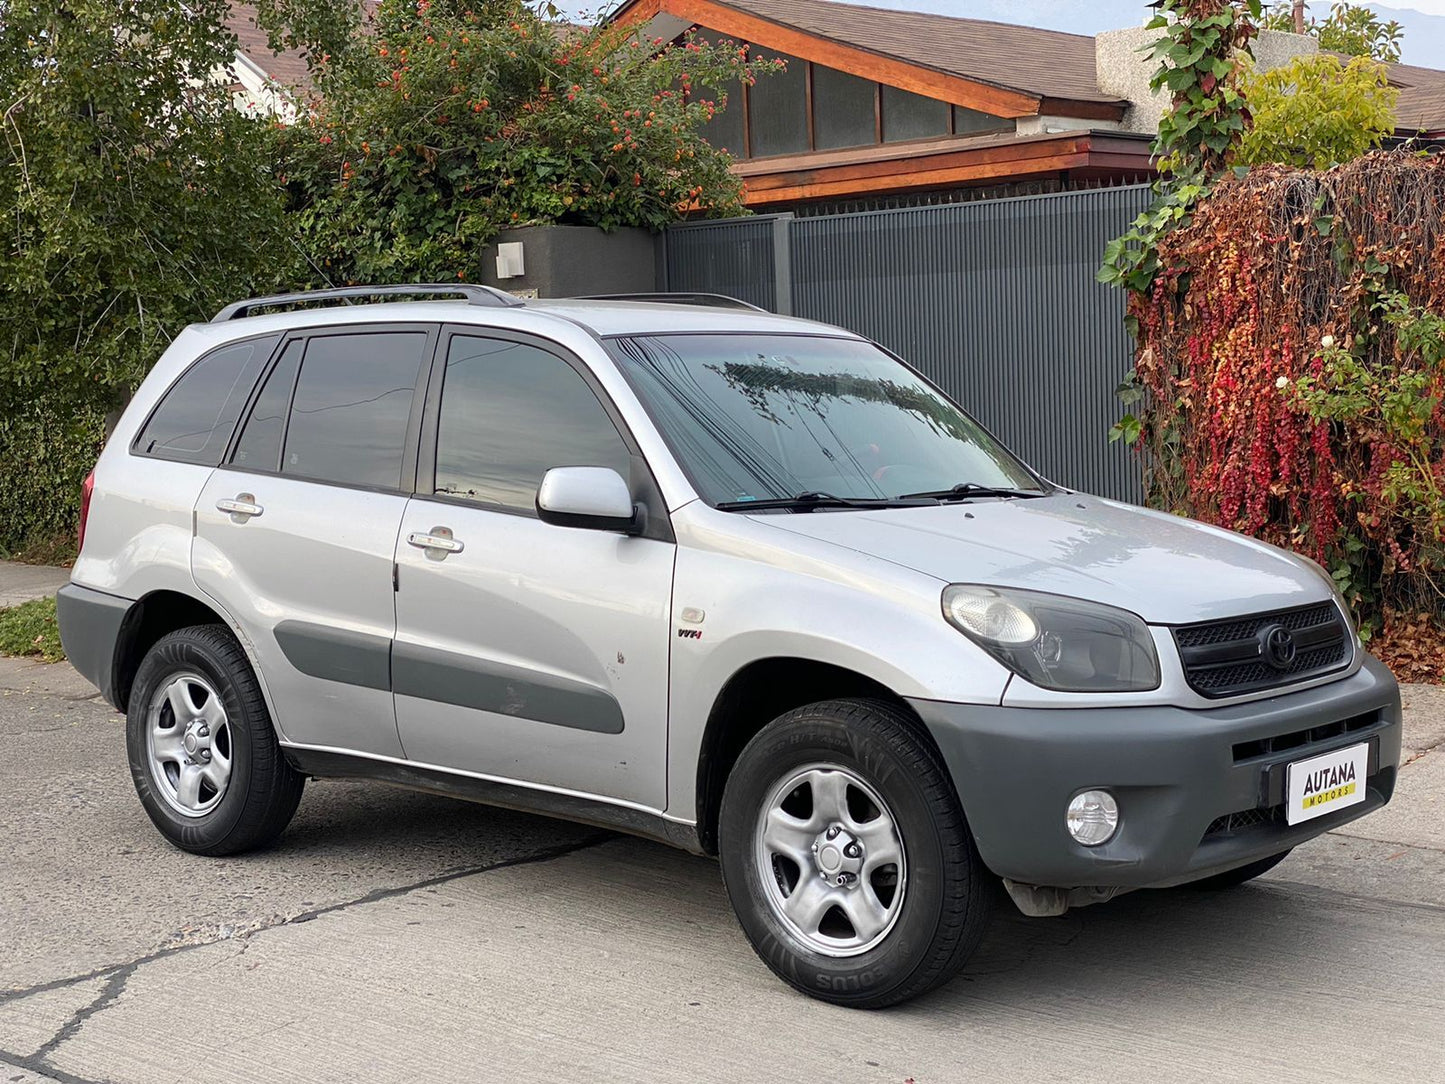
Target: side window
[
  {"x": 509, "y": 413},
  {"x": 260, "y": 445},
  {"x": 349, "y": 412},
  {"x": 196, "y": 417}
]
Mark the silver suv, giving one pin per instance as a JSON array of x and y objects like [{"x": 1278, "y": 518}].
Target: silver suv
[{"x": 743, "y": 584}]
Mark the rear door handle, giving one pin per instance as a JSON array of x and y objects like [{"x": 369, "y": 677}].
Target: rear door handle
[
  {"x": 241, "y": 508},
  {"x": 438, "y": 542}
]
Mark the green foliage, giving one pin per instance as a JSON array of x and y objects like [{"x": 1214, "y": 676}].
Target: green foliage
[
  {"x": 453, "y": 123},
  {"x": 1200, "y": 51},
  {"x": 1198, "y": 54},
  {"x": 1352, "y": 29},
  {"x": 1318, "y": 111},
  {"x": 134, "y": 199},
  {"x": 1388, "y": 380},
  {"x": 31, "y": 629}
]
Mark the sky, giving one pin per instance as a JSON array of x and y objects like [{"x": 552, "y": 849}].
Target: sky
[{"x": 1423, "y": 20}]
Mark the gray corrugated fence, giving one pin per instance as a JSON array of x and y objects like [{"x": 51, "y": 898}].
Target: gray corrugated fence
[{"x": 995, "y": 301}]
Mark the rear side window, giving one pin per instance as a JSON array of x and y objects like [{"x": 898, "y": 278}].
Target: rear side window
[
  {"x": 196, "y": 417},
  {"x": 509, "y": 413},
  {"x": 260, "y": 445}
]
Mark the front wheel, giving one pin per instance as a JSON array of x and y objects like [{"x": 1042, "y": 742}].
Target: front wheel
[
  {"x": 847, "y": 858},
  {"x": 203, "y": 755}
]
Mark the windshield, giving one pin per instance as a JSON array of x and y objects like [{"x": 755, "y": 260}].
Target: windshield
[{"x": 769, "y": 417}]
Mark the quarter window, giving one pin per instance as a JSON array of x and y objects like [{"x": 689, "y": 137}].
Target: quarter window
[
  {"x": 509, "y": 413},
  {"x": 195, "y": 419},
  {"x": 260, "y": 445}
]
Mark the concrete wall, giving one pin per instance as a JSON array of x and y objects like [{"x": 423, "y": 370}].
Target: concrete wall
[
  {"x": 568, "y": 261},
  {"x": 1123, "y": 70}
]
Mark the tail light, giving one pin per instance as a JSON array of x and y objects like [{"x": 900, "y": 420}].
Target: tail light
[{"x": 86, "y": 489}]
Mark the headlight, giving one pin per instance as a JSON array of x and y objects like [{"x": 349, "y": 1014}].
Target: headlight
[{"x": 1056, "y": 642}]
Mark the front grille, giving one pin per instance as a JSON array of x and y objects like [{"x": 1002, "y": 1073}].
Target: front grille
[
  {"x": 1263, "y": 651},
  {"x": 1302, "y": 739},
  {"x": 1244, "y": 820}
]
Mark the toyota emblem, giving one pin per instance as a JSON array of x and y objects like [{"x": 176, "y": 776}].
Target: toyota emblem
[{"x": 1277, "y": 646}]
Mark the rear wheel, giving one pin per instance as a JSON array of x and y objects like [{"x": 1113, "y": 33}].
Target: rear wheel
[
  {"x": 203, "y": 754},
  {"x": 847, "y": 858},
  {"x": 1234, "y": 877}
]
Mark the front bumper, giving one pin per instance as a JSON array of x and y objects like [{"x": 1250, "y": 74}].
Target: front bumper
[{"x": 1199, "y": 792}]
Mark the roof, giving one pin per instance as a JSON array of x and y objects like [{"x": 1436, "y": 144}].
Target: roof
[
  {"x": 1422, "y": 98},
  {"x": 287, "y": 68},
  {"x": 1045, "y": 63}
]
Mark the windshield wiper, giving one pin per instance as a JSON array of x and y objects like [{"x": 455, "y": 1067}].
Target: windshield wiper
[
  {"x": 966, "y": 490},
  {"x": 809, "y": 502}
]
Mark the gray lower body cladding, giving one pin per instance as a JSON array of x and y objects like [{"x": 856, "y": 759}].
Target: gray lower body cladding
[
  {"x": 1199, "y": 792},
  {"x": 90, "y": 624}
]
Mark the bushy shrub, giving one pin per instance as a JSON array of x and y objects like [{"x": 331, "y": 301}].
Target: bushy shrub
[
  {"x": 452, "y": 120},
  {"x": 1317, "y": 111}
]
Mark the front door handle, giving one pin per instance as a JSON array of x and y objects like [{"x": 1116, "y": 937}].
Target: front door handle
[
  {"x": 241, "y": 508},
  {"x": 438, "y": 542}
]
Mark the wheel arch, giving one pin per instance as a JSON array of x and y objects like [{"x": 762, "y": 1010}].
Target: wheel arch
[
  {"x": 148, "y": 619},
  {"x": 754, "y": 696}
]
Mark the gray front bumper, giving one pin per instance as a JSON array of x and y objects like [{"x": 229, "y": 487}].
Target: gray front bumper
[
  {"x": 90, "y": 623},
  {"x": 1174, "y": 772}
]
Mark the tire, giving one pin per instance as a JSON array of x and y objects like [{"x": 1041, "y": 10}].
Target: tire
[
  {"x": 1234, "y": 877},
  {"x": 909, "y": 939},
  {"x": 203, "y": 754}
]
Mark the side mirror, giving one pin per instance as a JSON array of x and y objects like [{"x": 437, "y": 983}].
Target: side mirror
[{"x": 595, "y": 498}]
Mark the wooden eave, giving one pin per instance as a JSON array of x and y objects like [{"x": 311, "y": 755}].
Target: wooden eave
[
  {"x": 880, "y": 67},
  {"x": 936, "y": 164}
]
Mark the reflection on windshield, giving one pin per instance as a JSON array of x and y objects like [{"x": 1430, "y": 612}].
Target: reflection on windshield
[{"x": 767, "y": 417}]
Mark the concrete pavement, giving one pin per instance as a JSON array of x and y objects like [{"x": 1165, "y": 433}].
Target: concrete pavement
[
  {"x": 397, "y": 937},
  {"x": 21, "y": 583}
]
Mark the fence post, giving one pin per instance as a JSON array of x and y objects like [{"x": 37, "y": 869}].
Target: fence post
[{"x": 783, "y": 263}]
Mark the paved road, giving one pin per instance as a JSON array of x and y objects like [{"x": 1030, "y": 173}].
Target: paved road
[
  {"x": 400, "y": 937},
  {"x": 21, "y": 583}
]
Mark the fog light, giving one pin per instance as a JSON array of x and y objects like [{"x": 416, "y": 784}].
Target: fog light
[{"x": 1093, "y": 817}]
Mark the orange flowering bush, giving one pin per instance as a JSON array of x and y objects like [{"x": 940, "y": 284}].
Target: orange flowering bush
[{"x": 449, "y": 120}]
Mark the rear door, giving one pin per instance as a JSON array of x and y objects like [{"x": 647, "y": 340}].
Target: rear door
[
  {"x": 527, "y": 651},
  {"x": 295, "y": 533}
]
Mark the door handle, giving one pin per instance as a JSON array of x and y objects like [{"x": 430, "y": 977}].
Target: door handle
[
  {"x": 438, "y": 542},
  {"x": 241, "y": 508}
]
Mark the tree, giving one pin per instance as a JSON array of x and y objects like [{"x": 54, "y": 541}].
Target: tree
[
  {"x": 453, "y": 120},
  {"x": 1318, "y": 111},
  {"x": 1352, "y": 29},
  {"x": 135, "y": 199}
]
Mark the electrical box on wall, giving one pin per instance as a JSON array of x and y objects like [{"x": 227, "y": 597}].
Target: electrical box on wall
[{"x": 511, "y": 262}]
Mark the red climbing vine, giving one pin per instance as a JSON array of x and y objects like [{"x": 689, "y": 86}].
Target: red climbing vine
[{"x": 1292, "y": 354}]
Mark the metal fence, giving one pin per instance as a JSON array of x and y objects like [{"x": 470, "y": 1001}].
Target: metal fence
[{"x": 994, "y": 300}]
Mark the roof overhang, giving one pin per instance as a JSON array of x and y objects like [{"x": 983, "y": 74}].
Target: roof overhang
[
  {"x": 947, "y": 163},
  {"x": 668, "y": 18}
]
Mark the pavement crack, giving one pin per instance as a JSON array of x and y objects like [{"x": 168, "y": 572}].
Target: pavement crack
[
  {"x": 114, "y": 987},
  {"x": 127, "y": 969}
]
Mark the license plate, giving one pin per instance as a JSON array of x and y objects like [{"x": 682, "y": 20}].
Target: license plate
[{"x": 1326, "y": 783}]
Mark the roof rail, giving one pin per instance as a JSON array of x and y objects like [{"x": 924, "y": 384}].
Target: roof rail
[
  {"x": 720, "y": 301},
  {"x": 475, "y": 295}
]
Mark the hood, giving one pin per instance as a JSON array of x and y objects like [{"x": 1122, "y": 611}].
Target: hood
[{"x": 1169, "y": 571}]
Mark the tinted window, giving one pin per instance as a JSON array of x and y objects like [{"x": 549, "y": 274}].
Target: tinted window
[
  {"x": 912, "y": 116},
  {"x": 843, "y": 109},
  {"x": 197, "y": 416},
  {"x": 970, "y": 121},
  {"x": 778, "y": 110},
  {"x": 260, "y": 445},
  {"x": 511, "y": 412},
  {"x": 349, "y": 413}
]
